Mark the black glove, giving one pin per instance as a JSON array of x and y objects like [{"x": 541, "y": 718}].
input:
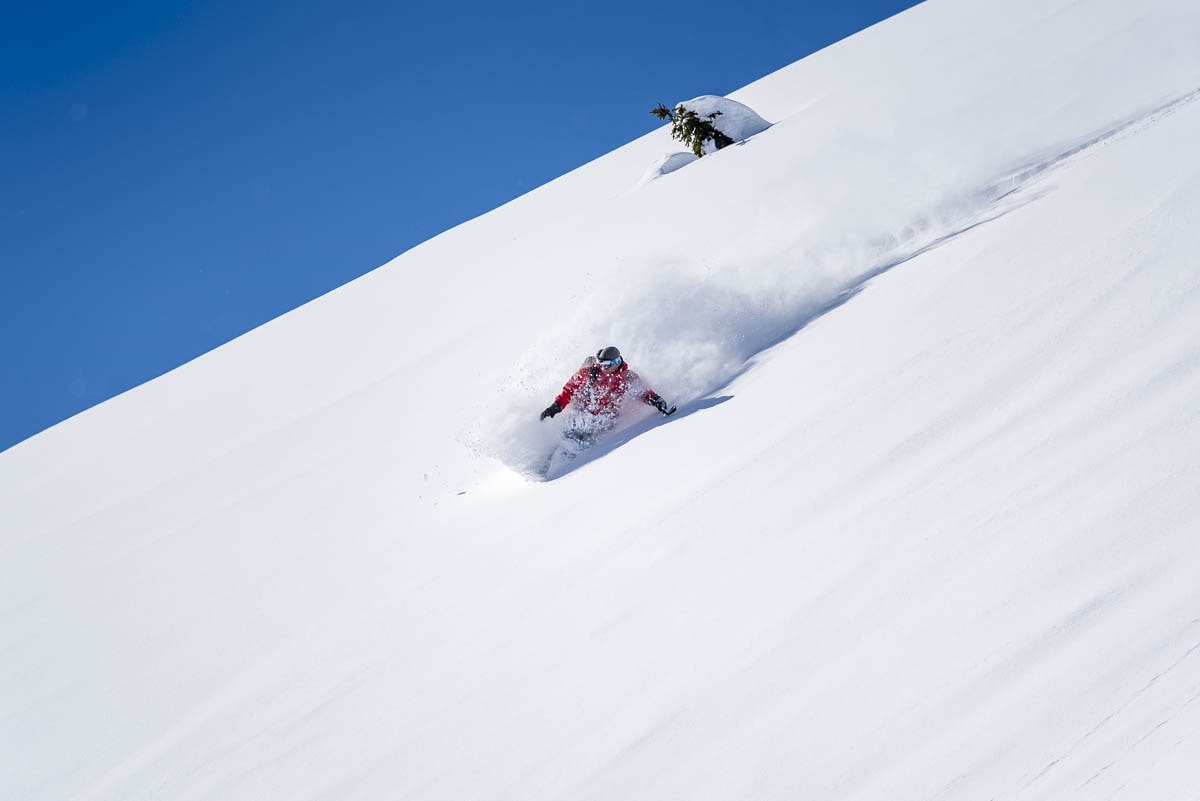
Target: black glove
[
  {"x": 551, "y": 410},
  {"x": 657, "y": 402}
]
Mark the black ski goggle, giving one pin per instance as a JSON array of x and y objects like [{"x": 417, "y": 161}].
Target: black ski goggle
[{"x": 610, "y": 363}]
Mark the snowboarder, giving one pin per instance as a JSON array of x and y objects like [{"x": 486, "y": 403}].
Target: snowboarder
[{"x": 598, "y": 388}]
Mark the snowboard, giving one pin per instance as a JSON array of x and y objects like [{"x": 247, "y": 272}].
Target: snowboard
[{"x": 574, "y": 442}]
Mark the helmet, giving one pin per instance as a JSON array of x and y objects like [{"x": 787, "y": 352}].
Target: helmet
[{"x": 608, "y": 357}]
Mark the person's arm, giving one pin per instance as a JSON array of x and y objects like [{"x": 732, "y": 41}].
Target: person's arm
[
  {"x": 570, "y": 388},
  {"x": 564, "y": 397},
  {"x": 651, "y": 397},
  {"x": 654, "y": 399}
]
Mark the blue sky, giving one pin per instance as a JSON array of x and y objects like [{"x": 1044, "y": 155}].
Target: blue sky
[{"x": 174, "y": 174}]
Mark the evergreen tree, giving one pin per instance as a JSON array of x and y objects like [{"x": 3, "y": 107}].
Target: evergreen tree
[{"x": 689, "y": 127}]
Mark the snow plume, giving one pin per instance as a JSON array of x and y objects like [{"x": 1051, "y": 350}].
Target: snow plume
[
  {"x": 687, "y": 331},
  {"x": 690, "y": 333}
]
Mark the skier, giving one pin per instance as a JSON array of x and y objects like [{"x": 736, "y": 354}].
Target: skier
[{"x": 598, "y": 388}]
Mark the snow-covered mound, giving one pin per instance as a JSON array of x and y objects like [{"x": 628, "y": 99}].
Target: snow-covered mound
[
  {"x": 924, "y": 525},
  {"x": 736, "y": 120},
  {"x": 668, "y": 163}
]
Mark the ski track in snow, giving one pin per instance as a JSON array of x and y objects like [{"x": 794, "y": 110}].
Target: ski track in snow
[{"x": 1115, "y": 713}]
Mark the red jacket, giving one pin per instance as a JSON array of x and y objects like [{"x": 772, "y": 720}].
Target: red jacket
[{"x": 603, "y": 393}]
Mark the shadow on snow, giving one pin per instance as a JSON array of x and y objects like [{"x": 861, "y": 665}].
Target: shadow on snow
[{"x": 620, "y": 436}]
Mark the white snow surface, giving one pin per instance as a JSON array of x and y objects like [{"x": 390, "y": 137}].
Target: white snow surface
[
  {"x": 736, "y": 120},
  {"x": 666, "y": 164},
  {"x": 925, "y": 525}
]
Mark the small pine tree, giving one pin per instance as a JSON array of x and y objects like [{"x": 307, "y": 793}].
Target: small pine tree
[{"x": 689, "y": 127}]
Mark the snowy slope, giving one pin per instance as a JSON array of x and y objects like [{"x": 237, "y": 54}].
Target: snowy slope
[{"x": 924, "y": 527}]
